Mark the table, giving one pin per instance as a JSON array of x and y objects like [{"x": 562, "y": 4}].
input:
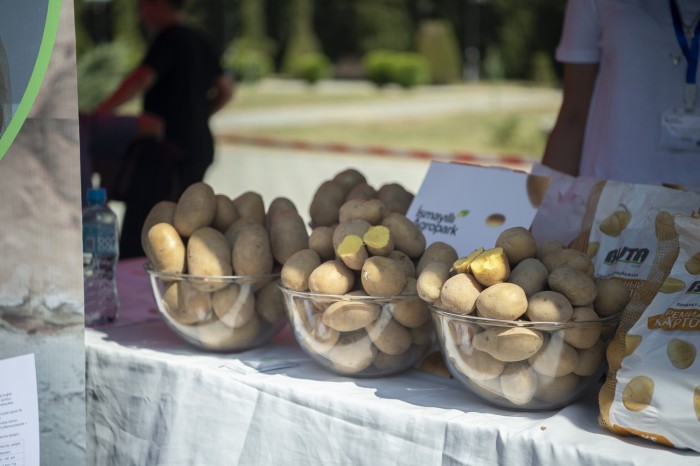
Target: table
[{"x": 154, "y": 400}]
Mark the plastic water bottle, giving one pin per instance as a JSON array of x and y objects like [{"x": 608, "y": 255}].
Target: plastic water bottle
[{"x": 100, "y": 256}]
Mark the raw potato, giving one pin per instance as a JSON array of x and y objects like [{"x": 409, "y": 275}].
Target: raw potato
[
  {"x": 549, "y": 306},
  {"x": 370, "y": 210},
  {"x": 504, "y": 301},
  {"x": 406, "y": 262},
  {"x": 269, "y": 303},
  {"x": 459, "y": 293},
  {"x": 388, "y": 363},
  {"x": 209, "y": 255},
  {"x": 672, "y": 285},
  {"x": 556, "y": 389},
  {"x": 166, "y": 251},
  {"x": 681, "y": 353},
  {"x": 216, "y": 335},
  {"x": 382, "y": 276},
  {"x": 568, "y": 258},
  {"x": 431, "y": 281},
  {"x": 692, "y": 265},
  {"x": 611, "y": 297},
  {"x": 615, "y": 223},
  {"x": 423, "y": 336},
  {"x": 298, "y": 268},
  {"x": 353, "y": 227},
  {"x": 638, "y": 393},
  {"x": 590, "y": 360},
  {"x": 583, "y": 336},
  {"x": 530, "y": 275},
  {"x": 234, "y": 305},
  {"x": 478, "y": 365},
  {"x": 408, "y": 238},
  {"x": 321, "y": 241},
  {"x": 251, "y": 205},
  {"x": 278, "y": 204},
  {"x": 326, "y": 203},
  {"x": 577, "y": 286},
  {"x": 361, "y": 190},
  {"x": 352, "y": 252},
  {"x": 556, "y": 358},
  {"x": 491, "y": 267},
  {"x": 346, "y": 316},
  {"x": 389, "y": 336},
  {"x": 162, "y": 212},
  {"x": 225, "y": 213},
  {"x": 252, "y": 254},
  {"x": 378, "y": 241},
  {"x": 518, "y": 244},
  {"x": 287, "y": 235},
  {"x": 411, "y": 312},
  {"x": 311, "y": 330},
  {"x": 193, "y": 305},
  {"x": 437, "y": 252},
  {"x": 331, "y": 277},
  {"x": 349, "y": 178},
  {"x": 463, "y": 264},
  {"x": 509, "y": 344},
  {"x": 195, "y": 209},
  {"x": 548, "y": 246},
  {"x": 353, "y": 352},
  {"x": 518, "y": 383},
  {"x": 395, "y": 197},
  {"x": 232, "y": 231}
]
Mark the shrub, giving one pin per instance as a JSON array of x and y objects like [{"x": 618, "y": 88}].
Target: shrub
[
  {"x": 247, "y": 64},
  {"x": 378, "y": 66},
  {"x": 410, "y": 70},
  {"x": 438, "y": 44},
  {"x": 312, "y": 67}
]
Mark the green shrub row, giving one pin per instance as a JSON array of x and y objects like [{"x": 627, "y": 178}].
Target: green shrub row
[{"x": 407, "y": 69}]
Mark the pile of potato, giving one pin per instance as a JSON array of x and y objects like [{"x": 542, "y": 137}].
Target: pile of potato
[
  {"x": 210, "y": 235},
  {"x": 519, "y": 280},
  {"x": 363, "y": 252}
]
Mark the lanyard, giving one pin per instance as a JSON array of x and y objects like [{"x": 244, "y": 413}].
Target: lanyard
[{"x": 691, "y": 52}]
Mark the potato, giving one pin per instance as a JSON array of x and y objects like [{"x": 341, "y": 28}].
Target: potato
[
  {"x": 353, "y": 227},
  {"x": 352, "y": 353},
  {"x": 692, "y": 265},
  {"x": 568, "y": 258},
  {"x": 463, "y": 264},
  {"x": 234, "y": 305},
  {"x": 370, "y": 210},
  {"x": 251, "y": 205},
  {"x": 326, "y": 203},
  {"x": 287, "y": 235},
  {"x": 556, "y": 389},
  {"x": 491, "y": 267},
  {"x": 556, "y": 358},
  {"x": 518, "y": 383},
  {"x": 612, "y": 295},
  {"x": 518, "y": 244},
  {"x": 406, "y": 262},
  {"x": 423, "y": 335},
  {"x": 549, "y": 306},
  {"x": 505, "y": 301},
  {"x": 583, "y": 336},
  {"x": 395, "y": 197},
  {"x": 195, "y": 209},
  {"x": 193, "y": 305},
  {"x": 331, "y": 277},
  {"x": 478, "y": 365},
  {"x": 217, "y": 335},
  {"x": 298, "y": 268},
  {"x": 352, "y": 252},
  {"x": 321, "y": 241},
  {"x": 437, "y": 252},
  {"x": 278, "y": 204},
  {"x": 431, "y": 281},
  {"x": 378, "y": 240},
  {"x": 346, "y": 316},
  {"x": 225, "y": 213},
  {"x": 382, "y": 276},
  {"x": 681, "y": 353},
  {"x": 209, "y": 254},
  {"x": 411, "y": 313},
  {"x": 252, "y": 254},
  {"x": 269, "y": 303},
  {"x": 232, "y": 231},
  {"x": 361, "y": 190},
  {"x": 530, "y": 275},
  {"x": 312, "y": 332},
  {"x": 638, "y": 393},
  {"x": 546, "y": 247},
  {"x": 408, "y": 238},
  {"x": 389, "y": 336},
  {"x": 615, "y": 223},
  {"x": 166, "y": 251},
  {"x": 459, "y": 293},
  {"x": 577, "y": 286},
  {"x": 162, "y": 212},
  {"x": 348, "y": 178},
  {"x": 590, "y": 360},
  {"x": 509, "y": 344}
]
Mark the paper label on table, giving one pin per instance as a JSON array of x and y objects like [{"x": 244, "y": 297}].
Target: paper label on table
[
  {"x": 467, "y": 206},
  {"x": 19, "y": 412}
]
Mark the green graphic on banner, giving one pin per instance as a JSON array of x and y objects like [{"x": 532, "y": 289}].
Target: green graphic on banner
[{"x": 37, "y": 78}]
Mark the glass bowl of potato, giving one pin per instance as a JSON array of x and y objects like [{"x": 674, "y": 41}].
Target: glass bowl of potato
[
  {"x": 525, "y": 365},
  {"x": 219, "y": 313},
  {"x": 357, "y": 335}
]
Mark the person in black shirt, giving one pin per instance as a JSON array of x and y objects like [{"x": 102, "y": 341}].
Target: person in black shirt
[{"x": 184, "y": 85}]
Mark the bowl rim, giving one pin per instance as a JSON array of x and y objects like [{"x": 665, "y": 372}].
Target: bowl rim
[
  {"x": 345, "y": 297},
  {"x": 186, "y": 276},
  {"x": 613, "y": 319}
]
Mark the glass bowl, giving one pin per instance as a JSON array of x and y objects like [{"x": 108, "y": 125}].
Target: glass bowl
[
  {"x": 523, "y": 365},
  {"x": 360, "y": 336},
  {"x": 224, "y": 313}
]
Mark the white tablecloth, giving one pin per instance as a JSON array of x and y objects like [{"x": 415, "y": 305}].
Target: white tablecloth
[{"x": 154, "y": 400}]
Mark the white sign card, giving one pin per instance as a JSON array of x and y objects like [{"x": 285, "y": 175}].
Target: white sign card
[
  {"x": 19, "y": 412},
  {"x": 468, "y": 206}
]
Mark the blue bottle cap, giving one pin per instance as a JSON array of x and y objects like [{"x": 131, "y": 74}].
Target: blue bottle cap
[{"x": 96, "y": 195}]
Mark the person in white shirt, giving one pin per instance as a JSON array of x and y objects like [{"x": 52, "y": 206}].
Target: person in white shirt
[{"x": 630, "y": 111}]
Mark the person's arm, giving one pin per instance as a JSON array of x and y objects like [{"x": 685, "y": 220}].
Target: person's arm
[
  {"x": 565, "y": 142},
  {"x": 138, "y": 81},
  {"x": 223, "y": 91}
]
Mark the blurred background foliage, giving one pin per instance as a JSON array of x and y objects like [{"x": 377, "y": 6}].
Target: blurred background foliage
[{"x": 424, "y": 41}]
